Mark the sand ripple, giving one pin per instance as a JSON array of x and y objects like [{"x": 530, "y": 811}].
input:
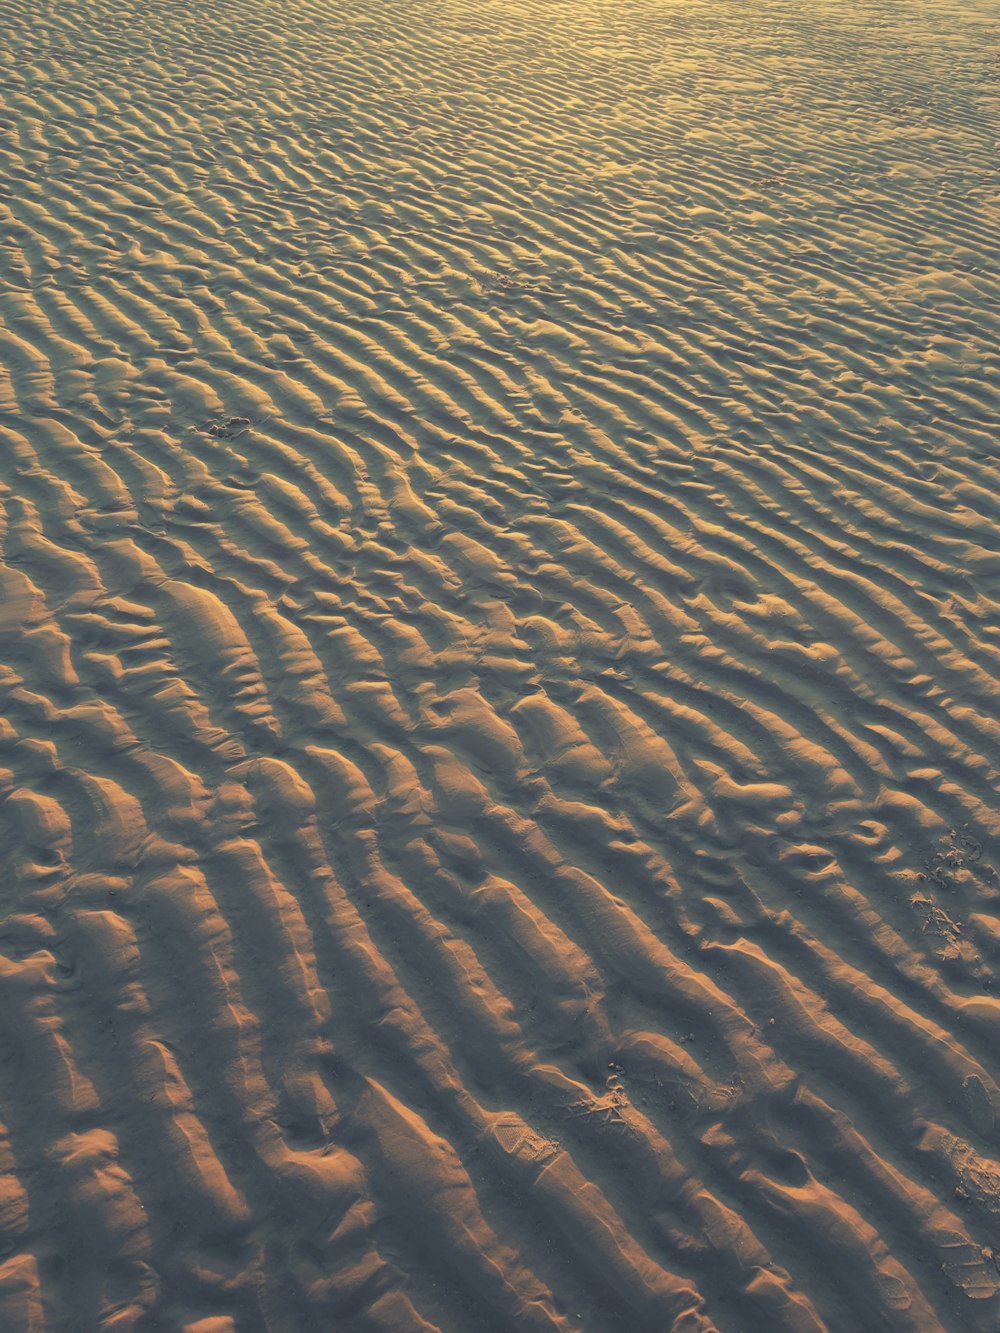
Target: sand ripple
[{"x": 500, "y": 667}]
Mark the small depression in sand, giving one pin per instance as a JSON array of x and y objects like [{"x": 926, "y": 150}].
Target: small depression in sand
[{"x": 500, "y": 665}]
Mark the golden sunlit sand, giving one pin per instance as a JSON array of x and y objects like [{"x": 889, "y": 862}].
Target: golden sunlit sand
[{"x": 500, "y": 660}]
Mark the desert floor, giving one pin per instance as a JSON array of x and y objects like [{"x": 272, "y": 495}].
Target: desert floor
[{"x": 500, "y": 666}]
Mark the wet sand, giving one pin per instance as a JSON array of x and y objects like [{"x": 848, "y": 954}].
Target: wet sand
[{"x": 500, "y": 667}]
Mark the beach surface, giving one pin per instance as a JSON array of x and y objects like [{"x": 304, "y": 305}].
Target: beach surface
[{"x": 499, "y": 666}]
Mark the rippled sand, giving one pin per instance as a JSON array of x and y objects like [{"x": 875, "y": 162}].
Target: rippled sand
[{"x": 500, "y": 657}]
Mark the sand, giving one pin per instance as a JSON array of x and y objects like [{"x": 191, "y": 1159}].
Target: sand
[{"x": 500, "y": 666}]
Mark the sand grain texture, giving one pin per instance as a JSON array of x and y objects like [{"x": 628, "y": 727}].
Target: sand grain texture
[{"x": 500, "y": 667}]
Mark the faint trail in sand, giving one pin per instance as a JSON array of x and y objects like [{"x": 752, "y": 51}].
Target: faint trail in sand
[{"x": 500, "y": 667}]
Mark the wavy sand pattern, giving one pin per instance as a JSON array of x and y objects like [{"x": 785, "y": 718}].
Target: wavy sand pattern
[{"x": 500, "y": 666}]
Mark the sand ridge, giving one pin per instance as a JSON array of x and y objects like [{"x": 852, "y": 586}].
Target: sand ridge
[{"x": 499, "y": 745}]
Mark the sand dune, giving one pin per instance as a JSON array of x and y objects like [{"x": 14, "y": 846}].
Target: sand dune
[{"x": 500, "y": 667}]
